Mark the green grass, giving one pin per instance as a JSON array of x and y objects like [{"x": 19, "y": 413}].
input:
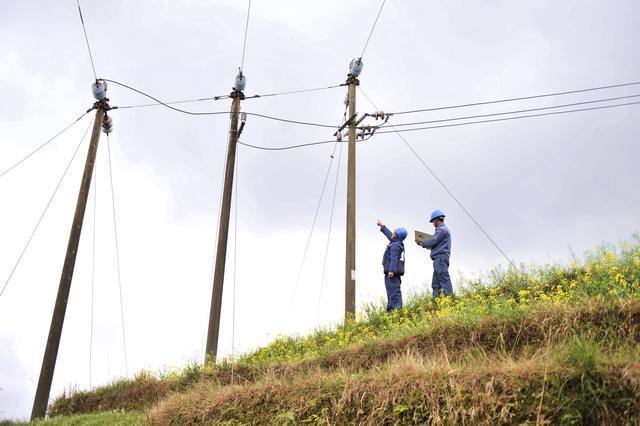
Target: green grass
[
  {"x": 608, "y": 273},
  {"x": 109, "y": 418},
  {"x": 565, "y": 334}
]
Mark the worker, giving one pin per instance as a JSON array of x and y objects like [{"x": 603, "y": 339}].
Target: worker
[
  {"x": 440, "y": 246},
  {"x": 393, "y": 265}
]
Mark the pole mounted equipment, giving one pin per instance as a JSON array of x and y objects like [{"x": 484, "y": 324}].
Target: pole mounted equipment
[{"x": 107, "y": 124}]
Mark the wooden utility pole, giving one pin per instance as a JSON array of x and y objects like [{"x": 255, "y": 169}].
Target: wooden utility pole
[
  {"x": 223, "y": 227},
  {"x": 350, "y": 268},
  {"x": 55, "y": 331}
]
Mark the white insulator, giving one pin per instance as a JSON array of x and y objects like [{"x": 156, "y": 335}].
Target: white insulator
[
  {"x": 346, "y": 99},
  {"x": 380, "y": 115},
  {"x": 243, "y": 117},
  {"x": 339, "y": 136},
  {"x": 355, "y": 67},
  {"x": 241, "y": 82},
  {"x": 99, "y": 89},
  {"x": 107, "y": 124}
]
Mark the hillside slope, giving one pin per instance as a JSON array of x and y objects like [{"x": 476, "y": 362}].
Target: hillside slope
[{"x": 557, "y": 345}]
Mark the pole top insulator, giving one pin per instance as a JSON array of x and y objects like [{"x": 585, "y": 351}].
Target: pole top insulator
[
  {"x": 241, "y": 82},
  {"x": 355, "y": 67},
  {"x": 99, "y": 89}
]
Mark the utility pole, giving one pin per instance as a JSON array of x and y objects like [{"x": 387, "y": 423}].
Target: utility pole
[
  {"x": 43, "y": 390},
  {"x": 211, "y": 350},
  {"x": 355, "y": 68}
]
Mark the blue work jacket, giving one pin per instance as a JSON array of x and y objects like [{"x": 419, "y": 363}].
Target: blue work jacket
[
  {"x": 391, "y": 260},
  {"x": 440, "y": 245}
]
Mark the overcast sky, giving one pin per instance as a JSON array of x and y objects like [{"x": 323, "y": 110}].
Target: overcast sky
[{"x": 543, "y": 187}]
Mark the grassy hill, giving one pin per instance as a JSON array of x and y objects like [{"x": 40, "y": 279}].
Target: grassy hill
[{"x": 557, "y": 344}]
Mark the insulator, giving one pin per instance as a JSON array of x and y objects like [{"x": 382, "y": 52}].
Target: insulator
[
  {"x": 346, "y": 99},
  {"x": 380, "y": 115},
  {"x": 243, "y": 117},
  {"x": 107, "y": 124},
  {"x": 339, "y": 137},
  {"x": 241, "y": 82},
  {"x": 99, "y": 89},
  {"x": 355, "y": 67}
]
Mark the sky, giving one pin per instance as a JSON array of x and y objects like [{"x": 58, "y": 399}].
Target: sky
[{"x": 544, "y": 188}]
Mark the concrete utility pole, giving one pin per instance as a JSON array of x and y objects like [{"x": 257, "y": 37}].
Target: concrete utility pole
[
  {"x": 223, "y": 228},
  {"x": 355, "y": 68},
  {"x": 43, "y": 390}
]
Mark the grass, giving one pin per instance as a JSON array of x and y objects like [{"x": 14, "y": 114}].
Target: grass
[
  {"x": 555, "y": 344},
  {"x": 111, "y": 418}
]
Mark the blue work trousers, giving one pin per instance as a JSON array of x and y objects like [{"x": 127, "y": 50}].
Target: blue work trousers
[
  {"x": 441, "y": 280},
  {"x": 394, "y": 295}
]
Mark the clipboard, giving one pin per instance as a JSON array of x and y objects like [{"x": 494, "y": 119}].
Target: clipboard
[{"x": 423, "y": 236}]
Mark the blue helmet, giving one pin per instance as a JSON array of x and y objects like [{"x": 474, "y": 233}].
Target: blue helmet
[
  {"x": 401, "y": 233},
  {"x": 436, "y": 214}
]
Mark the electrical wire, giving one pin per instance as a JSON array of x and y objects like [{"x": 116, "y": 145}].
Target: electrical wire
[
  {"x": 235, "y": 271},
  {"x": 567, "y": 92},
  {"x": 509, "y": 118},
  {"x": 184, "y": 101},
  {"x": 115, "y": 231},
  {"x": 246, "y": 30},
  {"x": 44, "y": 211},
  {"x": 93, "y": 270},
  {"x": 446, "y": 188},
  {"x": 44, "y": 144},
  {"x": 220, "y": 97},
  {"x": 292, "y": 92},
  {"x": 213, "y": 261},
  {"x": 469, "y": 117},
  {"x": 372, "y": 28},
  {"x": 303, "y": 145},
  {"x": 304, "y": 123},
  {"x": 313, "y": 225},
  {"x": 87, "y": 40},
  {"x": 326, "y": 250}
]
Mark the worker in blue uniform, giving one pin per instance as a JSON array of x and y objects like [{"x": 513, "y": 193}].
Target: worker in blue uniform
[
  {"x": 393, "y": 265},
  {"x": 440, "y": 247}
]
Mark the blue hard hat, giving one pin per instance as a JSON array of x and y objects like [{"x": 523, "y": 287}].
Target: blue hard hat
[
  {"x": 436, "y": 214},
  {"x": 401, "y": 233}
]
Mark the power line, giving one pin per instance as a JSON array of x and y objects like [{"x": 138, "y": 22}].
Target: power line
[
  {"x": 44, "y": 144},
  {"x": 44, "y": 211},
  {"x": 448, "y": 191},
  {"x": 93, "y": 270},
  {"x": 235, "y": 271},
  {"x": 468, "y": 117},
  {"x": 305, "y": 123},
  {"x": 291, "y": 92},
  {"x": 184, "y": 101},
  {"x": 87, "y": 40},
  {"x": 568, "y": 92},
  {"x": 221, "y": 97},
  {"x": 302, "y": 145},
  {"x": 115, "y": 231},
  {"x": 313, "y": 225},
  {"x": 509, "y": 118},
  {"x": 246, "y": 30},
  {"x": 372, "y": 28},
  {"x": 326, "y": 250}
]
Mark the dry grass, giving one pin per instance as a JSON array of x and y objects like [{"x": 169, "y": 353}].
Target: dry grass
[{"x": 412, "y": 389}]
